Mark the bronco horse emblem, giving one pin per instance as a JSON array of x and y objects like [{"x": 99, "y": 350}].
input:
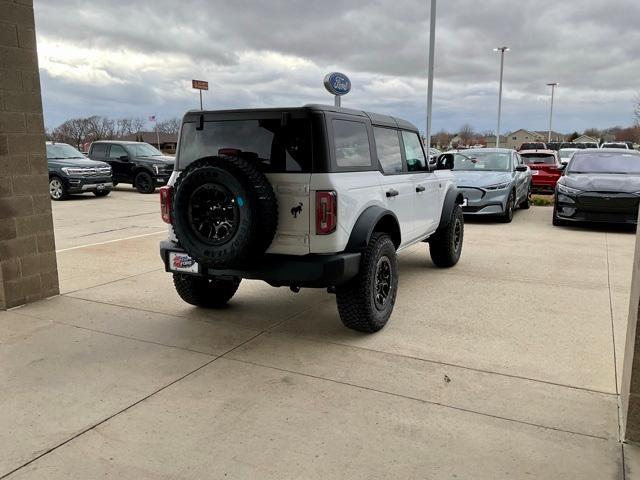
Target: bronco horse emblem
[{"x": 296, "y": 210}]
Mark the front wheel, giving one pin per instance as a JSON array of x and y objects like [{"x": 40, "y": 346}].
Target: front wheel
[
  {"x": 365, "y": 303},
  {"x": 507, "y": 216},
  {"x": 205, "y": 292},
  {"x": 57, "y": 189},
  {"x": 445, "y": 247},
  {"x": 526, "y": 203},
  {"x": 144, "y": 183}
]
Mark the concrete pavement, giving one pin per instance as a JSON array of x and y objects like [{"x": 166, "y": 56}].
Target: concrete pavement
[{"x": 502, "y": 367}]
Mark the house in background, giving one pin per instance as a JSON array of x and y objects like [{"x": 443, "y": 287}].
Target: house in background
[
  {"x": 490, "y": 141},
  {"x": 586, "y": 139},
  {"x": 168, "y": 141}
]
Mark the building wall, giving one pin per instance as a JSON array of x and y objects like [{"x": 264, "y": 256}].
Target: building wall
[
  {"x": 28, "y": 269},
  {"x": 517, "y": 138}
]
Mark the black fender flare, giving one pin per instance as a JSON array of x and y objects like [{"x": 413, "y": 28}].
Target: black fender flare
[
  {"x": 366, "y": 224},
  {"x": 452, "y": 198}
]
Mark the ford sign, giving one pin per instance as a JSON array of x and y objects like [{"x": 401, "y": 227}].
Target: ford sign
[{"x": 337, "y": 83}]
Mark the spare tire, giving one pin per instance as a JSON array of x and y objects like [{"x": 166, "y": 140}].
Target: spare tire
[{"x": 224, "y": 211}]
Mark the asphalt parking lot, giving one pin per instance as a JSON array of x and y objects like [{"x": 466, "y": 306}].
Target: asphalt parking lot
[{"x": 506, "y": 366}]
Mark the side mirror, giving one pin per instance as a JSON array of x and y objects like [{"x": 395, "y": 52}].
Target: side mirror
[
  {"x": 124, "y": 158},
  {"x": 445, "y": 162},
  {"x": 521, "y": 168}
]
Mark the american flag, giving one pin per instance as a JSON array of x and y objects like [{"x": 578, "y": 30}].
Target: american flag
[{"x": 152, "y": 118}]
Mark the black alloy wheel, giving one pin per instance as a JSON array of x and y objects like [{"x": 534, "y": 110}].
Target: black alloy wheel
[{"x": 213, "y": 213}]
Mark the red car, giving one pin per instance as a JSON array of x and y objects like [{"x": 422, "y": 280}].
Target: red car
[{"x": 545, "y": 167}]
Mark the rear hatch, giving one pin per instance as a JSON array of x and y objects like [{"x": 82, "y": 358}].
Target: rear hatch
[
  {"x": 279, "y": 143},
  {"x": 541, "y": 163}
]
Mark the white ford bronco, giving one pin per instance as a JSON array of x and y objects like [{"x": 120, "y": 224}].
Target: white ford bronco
[{"x": 318, "y": 196}]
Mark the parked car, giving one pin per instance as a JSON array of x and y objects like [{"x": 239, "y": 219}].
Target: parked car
[
  {"x": 318, "y": 196},
  {"x": 587, "y": 144},
  {"x": 545, "y": 169},
  {"x": 599, "y": 186},
  {"x": 533, "y": 146},
  {"x": 622, "y": 145},
  {"x": 493, "y": 181},
  {"x": 554, "y": 145},
  {"x": 71, "y": 172},
  {"x": 566, "y": 153},
  {"x": 137, "y": 163}
]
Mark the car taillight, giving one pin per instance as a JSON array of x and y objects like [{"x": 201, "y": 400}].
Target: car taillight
[
  {"x": 165, "y": 203},
  {"x": 326, "y": 212}
]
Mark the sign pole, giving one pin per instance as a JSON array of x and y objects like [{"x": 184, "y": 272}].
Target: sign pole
[
  {"x": 200, "y": 99},
  {"x": 432, "y": 42},
  {"x": 200, "y": 85},
  {"x": 337, "y": 101}
]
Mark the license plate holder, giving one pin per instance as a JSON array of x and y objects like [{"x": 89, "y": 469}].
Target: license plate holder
[{"x": 182, "y": 263}]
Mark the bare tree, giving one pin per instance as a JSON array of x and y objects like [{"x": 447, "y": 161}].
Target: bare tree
[
  {"x": 171, "y": 126},
  {"x": 442, "y": 138},
  {"x": 73, "y": 132},
  {"x": 466, "y": 134},
  {"x": 636, "y": 111},
  {"x": 128, "y": 126}
]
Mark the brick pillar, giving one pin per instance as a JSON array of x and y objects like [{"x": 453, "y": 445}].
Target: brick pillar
[
  {"x": 28, "y": 269},
  {"x": 630, "y": 390}
]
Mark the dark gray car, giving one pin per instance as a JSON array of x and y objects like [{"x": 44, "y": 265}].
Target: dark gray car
[
  {"x": 71, "y": 172},
  {"x": 493, "y": 181}
]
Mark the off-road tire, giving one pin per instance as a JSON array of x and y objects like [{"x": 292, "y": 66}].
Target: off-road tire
[
  {"x": 527, "y": 201},
  {"x": 356, "y": 299},
  {"x": 102, "y": 193},
  {"x": 254, "y": 201},
  {"x": 205, "y": 292},
  {"x": 507, "y": 216},
  {"x": 60, "y": 189},
  {"x": 143, "y": 182},
  {"x": 445, "y": 247}
]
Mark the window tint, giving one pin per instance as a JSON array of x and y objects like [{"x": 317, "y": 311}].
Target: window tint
[
  {"x": 536, "y": 158},
  {"x": 413, "y": 152},
  {"x": 388, "y": 148},
  {"x": 117, "y": 151},
  {"x": 99, "y": 150},
  {"x": 266, "y": 142},
  {"x": 351, "y": 144}
]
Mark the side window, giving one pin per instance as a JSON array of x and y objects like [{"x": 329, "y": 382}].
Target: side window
[
  {"x": 117, "y": 151},
  {"x": 99, "y": 150},
  {"x": 388, "y": 148},
  {"x": 413, "y": 152},
  {"x": 351, "y": 144}
]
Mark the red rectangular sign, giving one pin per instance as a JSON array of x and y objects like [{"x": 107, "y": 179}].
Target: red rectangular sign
[{"x": 200, "y": 84}]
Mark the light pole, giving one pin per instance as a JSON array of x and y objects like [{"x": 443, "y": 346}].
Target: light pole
[
  {"x": 432, "y": 41},
  {"x": 553, "y": 86},
  {"x": 501, "y": 50}
]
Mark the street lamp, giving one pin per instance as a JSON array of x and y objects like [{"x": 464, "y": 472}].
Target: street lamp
[
  {"x": 501, "y": 50},
  {"x": 553, "y": 86},
  {"x": 432, "y": 41}
]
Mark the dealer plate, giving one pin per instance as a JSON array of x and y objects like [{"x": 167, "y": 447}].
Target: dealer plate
[{"x": 181, "y": 262}]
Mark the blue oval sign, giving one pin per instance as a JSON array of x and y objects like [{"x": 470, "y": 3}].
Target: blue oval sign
[{"x": 337, "y": 83}]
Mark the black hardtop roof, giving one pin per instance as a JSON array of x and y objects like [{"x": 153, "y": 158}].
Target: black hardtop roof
[{"x": 375, "y": 118}]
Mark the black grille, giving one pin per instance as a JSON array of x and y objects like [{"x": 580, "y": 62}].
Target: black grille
[{"x": 608, "y": 202}]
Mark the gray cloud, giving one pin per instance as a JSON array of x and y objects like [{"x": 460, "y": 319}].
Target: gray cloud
[{"x": 267, "y": 53}]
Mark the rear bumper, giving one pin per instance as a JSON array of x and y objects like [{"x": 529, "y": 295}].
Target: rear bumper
[{"x": 312, "y": 271}]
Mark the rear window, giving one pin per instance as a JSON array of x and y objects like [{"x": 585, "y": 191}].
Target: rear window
[
  {"x": 534, "y": 159},
  {"x": 351, "y": 144},
  {"x": 272, "y": 146},
  {"x": 98, "y": 150}
]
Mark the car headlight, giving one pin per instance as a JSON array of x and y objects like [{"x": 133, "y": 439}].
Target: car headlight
[
  {"x": 567, "y": 190},
  {"x": 73, "y": 171},
  {"x": 497, "y": 186},
  {"x": 159, "y": 168}
]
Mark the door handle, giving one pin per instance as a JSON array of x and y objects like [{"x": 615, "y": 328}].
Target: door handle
[
  {"x": 392, "y": 193},
  {"x": 420, "y": 188}
]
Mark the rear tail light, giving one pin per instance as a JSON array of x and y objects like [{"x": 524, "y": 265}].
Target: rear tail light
[
  {"x": 326, "y": 212},
  {"x": 165, "y": 203}
]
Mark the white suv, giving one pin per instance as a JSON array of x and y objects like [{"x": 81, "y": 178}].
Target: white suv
[{"x": 318, "y": 196}]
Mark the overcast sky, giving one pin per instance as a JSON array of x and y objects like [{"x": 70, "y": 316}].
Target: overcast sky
[{"x": 137, "y": 58}]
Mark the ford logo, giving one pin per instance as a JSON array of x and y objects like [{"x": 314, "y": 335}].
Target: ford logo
[{"x": 337, "y": 83}]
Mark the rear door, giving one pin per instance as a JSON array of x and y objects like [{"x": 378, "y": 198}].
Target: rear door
[{"x": 122, "y": 169}]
